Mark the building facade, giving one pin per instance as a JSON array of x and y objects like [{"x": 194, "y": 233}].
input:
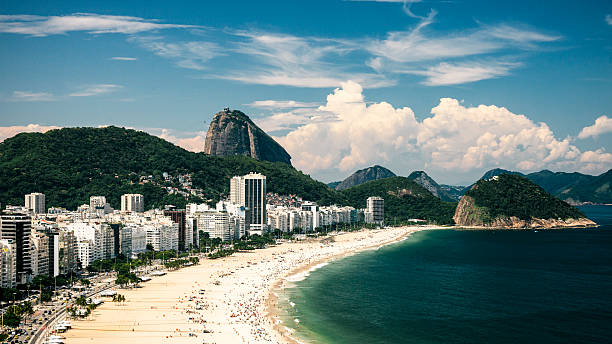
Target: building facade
[
  {"x": 8, "y": 264},
  {"x": 250, "y": 191},
  {"x": 18, "y": 227},
  {"x": 132, "y": 203},
  {"x": 375, "y": 210},
  {"x": 35, "y": 202}
]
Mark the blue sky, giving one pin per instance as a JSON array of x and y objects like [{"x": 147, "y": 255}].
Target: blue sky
[{"x": 450, "y": 87}]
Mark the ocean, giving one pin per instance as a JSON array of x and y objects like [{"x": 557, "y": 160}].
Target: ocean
[{"x": 464, "y": 286}]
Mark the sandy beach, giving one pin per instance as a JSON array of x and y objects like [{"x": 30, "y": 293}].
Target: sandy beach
[{"x": 228, "y": 300}]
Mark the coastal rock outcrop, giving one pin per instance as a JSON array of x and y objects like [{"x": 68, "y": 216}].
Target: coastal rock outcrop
[
  {"x": 469, "y": 215},
  {"x": 365, "y": 175},
  {"x": 231, "y": 132},
  {"x": 514, "y": 202}
]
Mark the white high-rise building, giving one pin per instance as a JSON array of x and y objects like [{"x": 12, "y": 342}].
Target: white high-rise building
[
  {"x": 132, "y": 203},
  {"x": 250, "y": 191},
  {"x": 313, "y": 208},
  {"x": 139, "y": 239},
  {"x": 35, "y": 202},
  {"x": 375, "y": 211},
  {"x": 215, "y": 223},
  {"x": 162, "y": 237}
]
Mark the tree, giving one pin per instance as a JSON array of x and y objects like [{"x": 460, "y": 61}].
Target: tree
[
  {"x": 150, "y": 247},
  {"x": 122, "y": 280}
]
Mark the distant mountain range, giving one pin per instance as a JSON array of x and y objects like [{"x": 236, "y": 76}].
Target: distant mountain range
[
  {"x": 71, "y": 164},
  {"x": 428, "y": 183},
  {"x": 572, "y": 187},
  {"x": 365, "y": 175}
]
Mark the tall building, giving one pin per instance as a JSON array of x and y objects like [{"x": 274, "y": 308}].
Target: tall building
[
  {"x": 18, "y": 227},
  {"x": 215, "y": 223},
  {"x": 40, "y": 253},
  {"x": 178, "y": 217},
  {"x": 8, "y": 264},
  {"x": 132, "y": 203},
  {"x": 314, "y": 209},
  {"x": 67, "y": 249},
  {"x": 98, "y": 205},
  {"x": 250, "y": 191},
  {"x": 35, "y": 202},
  {"x": 375, "y": 210},
  {"x": 162, "y": 237}
]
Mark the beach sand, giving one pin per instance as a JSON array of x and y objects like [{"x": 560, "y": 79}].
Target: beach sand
[{"x": 232, "y": 298}]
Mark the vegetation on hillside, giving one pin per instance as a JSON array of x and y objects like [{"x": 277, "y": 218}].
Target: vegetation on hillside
[
  {"x": 595, "y": 189},
  {"x": 404, "y": 199},
  {"x": 513, "y": 195},
  {"x": 70, "y": 165}
]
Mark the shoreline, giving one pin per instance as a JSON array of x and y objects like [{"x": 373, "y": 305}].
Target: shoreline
[
  {"x": 227, "y": 300},
  {"x": 274, "y": 312}
]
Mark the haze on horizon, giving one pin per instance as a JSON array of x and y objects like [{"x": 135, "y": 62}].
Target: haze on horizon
[{"x": 447, "y": 87}]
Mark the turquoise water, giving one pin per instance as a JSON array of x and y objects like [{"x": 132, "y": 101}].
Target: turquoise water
[{"x": 454, "y": 286}]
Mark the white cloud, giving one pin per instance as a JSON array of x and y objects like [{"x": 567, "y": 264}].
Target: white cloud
[
  {"x": 281, "y": 104},
  {"x": 94, "y": 90},
  {"x": 454, "y": 138},
  {"x": 191, "y": 141},
  {"x": 355, "y": 136},
  {"x": 602, "y": 125},
  {"x": 461, "y": 73},
  {"x": 28, "y": 96},
  {"x": 277, "y": 59},
  {"x": 190, "y": 55},
  {"x": 92, "y": 23},
  {"x": 415, "y": 45},
  {"x": 609, "y": 19},
  {"x": 6, "y": 132},
  {"x": 121, "y": 58}
]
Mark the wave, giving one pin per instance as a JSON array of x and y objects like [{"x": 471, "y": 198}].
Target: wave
[{"x": 300, "y": 276}]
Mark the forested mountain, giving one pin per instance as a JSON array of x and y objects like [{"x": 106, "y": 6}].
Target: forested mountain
[
  {"x": 421, "y": 178},
  {"x": 365, "y": 175},
  {"x": 71, "y": 164},
  {"x": 573, "y": 187},
  {"x": 404, "y": 199},
  {"x": 514, "y": 201}
]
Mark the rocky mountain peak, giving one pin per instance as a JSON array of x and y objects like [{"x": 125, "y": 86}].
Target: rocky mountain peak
[{"x": 231, "y": 132}]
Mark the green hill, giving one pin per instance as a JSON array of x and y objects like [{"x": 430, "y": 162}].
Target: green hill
[
  {"x": 404, "y": 199},
  {"x": 512, "y": 201},
  {"x": 71, "y": 164}
]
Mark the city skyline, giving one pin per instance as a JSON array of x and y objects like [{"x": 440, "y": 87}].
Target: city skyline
[{"x": 450, "y": 88}]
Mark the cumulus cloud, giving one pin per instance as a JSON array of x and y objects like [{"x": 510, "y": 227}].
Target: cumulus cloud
[
  {"x": 28, "y": 96},
  {"x": 191, "y": 141},
  {"x": 94, "y": 90},
  {"x": 454, "y": 138},
  {"x": 602, "y": 125},
  {"x": 609, "y": 19},
  {"x": 354, "y": 136},
  {"x": 6, "y": 132},
  {"x": 41, "y": 26}
]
